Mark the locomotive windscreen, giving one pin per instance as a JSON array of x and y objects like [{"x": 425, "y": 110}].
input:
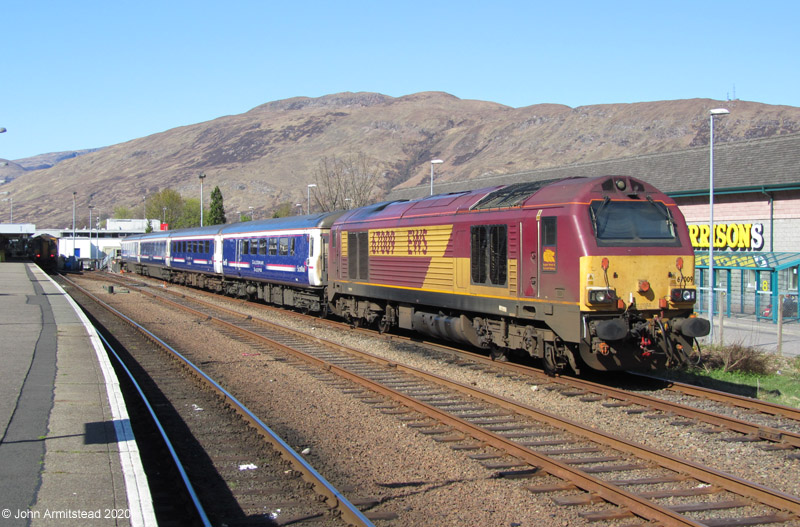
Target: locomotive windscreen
[{"x": 632, "y": 223}]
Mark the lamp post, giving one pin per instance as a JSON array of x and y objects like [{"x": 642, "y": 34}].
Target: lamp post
[
  {"x": 202, "y": 177},
  {"x": 308, "y": 197},
  {"x": 720, "y": 112},
  {"x": 73, "y": 223},
  {"x": 299, "y": 206},
  {"x": 91, "y": 252},
  {"x": 434, "y": 162},
  {"x": 251, "y": 213}
]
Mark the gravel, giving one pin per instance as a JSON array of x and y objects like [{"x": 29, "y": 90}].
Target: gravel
[{"x": 370, "y": 454}]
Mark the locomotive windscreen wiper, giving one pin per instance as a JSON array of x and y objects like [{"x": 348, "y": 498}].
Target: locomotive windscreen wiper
[
  {"x": 664, "y": 212},
  {"x": 596, "y": 214}
]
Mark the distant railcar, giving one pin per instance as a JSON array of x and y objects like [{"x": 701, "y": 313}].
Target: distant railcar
[{"x": 43, "y": 251}]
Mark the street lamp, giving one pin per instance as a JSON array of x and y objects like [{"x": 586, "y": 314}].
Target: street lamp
[
  {"x": 73, "y": 223},
  {"x": 434, "y": 162},
  {"x": 719, "y": 112},
  {"x": 202, "y": 177},
  {"x": 251, "y": 213},
  {"x": 300, "y": 206},
  {"x": 308, "y": 197},
  {"x": 347, "y": 202},
  {"x": 91, "y": 252}
]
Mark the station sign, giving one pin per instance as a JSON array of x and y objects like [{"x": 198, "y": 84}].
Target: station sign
[{"x": 733, "y": 236}]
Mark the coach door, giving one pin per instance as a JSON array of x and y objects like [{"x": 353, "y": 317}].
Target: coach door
[{"x": 323, "y": 258}]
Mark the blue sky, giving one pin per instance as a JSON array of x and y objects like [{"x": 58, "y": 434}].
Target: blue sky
[{"x": 86, "y": 74}]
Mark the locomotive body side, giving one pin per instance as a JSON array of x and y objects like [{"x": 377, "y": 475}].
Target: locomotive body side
[{"x": 517, "y": 268}]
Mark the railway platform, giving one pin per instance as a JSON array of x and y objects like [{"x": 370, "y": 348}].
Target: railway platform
[{"x": 67, "y": 454}]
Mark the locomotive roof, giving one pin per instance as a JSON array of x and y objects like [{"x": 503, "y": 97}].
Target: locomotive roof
[{"x": 500, "y": 197}]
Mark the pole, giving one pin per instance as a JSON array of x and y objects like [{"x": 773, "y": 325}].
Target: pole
[
  {"x": 780, "y": 324},
  {"x": 711, "y": 231},
  {"x": 202, "y": 177},
  {"x": 712, "y": 113},
  {"x": 91, "y": 252},
  {"x": 73, "y": 223},
  {"x": 434, "y": 162}
]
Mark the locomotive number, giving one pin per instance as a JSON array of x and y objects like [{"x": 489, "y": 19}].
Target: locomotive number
[
  {"x": 418, "y": 241},
  {"x": 382, "y": 242}
]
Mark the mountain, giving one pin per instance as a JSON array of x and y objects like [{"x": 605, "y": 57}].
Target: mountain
[{"x": 268, "y": 155}]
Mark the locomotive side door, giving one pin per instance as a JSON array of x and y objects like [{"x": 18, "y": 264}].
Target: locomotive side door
[{"x": 529, "y": 257}]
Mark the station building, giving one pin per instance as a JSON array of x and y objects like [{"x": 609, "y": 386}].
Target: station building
[{"x": 756, "y": 214}]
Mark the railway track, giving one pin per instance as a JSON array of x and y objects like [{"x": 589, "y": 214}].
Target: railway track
[
  {"x": 613, "y": 477},
  {"x": 245, "y": 474},
  {"x": 776, "y": 424}
]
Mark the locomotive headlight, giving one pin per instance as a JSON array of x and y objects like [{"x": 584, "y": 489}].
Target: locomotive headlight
[
  {"x": 683, "y": 295},
  {"x": 602, "y": 296}
]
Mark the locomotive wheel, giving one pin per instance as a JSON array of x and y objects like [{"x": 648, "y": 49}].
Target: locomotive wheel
[{"x": 498, "y": 354}]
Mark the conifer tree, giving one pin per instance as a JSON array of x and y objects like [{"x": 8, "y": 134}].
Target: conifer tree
[{"x": 216, "y": 214}]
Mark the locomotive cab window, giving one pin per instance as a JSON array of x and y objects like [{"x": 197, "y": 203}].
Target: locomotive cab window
[
  {"x": 632, "y": 223},
  {"x": 489, "y": 254}
]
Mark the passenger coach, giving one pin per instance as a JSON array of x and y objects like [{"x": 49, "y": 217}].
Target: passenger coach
[{"x": 279, "y": 260}]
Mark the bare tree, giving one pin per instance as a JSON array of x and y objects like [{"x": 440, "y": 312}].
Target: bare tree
[{"x": 347, "y": 182}]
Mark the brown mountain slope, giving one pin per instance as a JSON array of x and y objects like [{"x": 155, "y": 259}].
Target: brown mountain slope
[{"x": 268, "y": 155}]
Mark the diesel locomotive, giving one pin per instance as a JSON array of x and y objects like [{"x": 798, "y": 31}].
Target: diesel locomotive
[{"x": 595, "y": 272}]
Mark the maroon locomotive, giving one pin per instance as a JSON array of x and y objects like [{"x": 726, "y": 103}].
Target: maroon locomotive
[{"x": 595, "y": 271}]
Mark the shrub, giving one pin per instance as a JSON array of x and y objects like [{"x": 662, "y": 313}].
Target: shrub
[{"x": 738, "y": 358}]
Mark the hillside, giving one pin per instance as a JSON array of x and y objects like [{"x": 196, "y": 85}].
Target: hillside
[{"x": 267, "y": 156}]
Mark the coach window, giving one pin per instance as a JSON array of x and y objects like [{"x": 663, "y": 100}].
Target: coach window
[
  {"x": 253, "y": 247},
  {"x": 273, "y": 246},
  {"x": 245, "y": 247},
  {"x": 283, "y": 248},
  {"x": 291, "y": 245},
  {"x": 262, "y": 247},
  {"x": 489, "y": 254},
  {"x": 208, "y": 246}
]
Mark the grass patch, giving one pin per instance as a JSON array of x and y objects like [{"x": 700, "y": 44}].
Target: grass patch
[{"x": 747, "y": 371}]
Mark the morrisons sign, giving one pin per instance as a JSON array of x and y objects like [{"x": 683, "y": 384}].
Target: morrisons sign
[{"x": 734, "y": 236}]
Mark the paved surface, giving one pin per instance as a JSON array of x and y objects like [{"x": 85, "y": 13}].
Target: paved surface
[
  {"x": 760, "y": 334},
  {"x": 67, "y": 453}
]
